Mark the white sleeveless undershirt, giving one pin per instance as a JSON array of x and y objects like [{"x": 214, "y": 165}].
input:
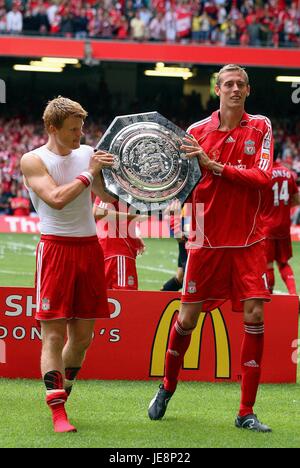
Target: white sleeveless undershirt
[{"x": 76, "y": 218}]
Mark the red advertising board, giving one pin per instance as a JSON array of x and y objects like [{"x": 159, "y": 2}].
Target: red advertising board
[
  {"x": 131, "y": 344},
  {"x": 150, "y": 52},
  {"x": 152, "y": 228},
  {"x": 20, "y": 224}
]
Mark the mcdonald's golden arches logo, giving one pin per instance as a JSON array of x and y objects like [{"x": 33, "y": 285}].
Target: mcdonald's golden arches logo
[{"x": 192, "y": 356}]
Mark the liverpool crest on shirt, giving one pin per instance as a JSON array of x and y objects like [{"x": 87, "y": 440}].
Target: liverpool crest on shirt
[
  {"x": 130, "y": 280},
  {"x": 191, "y": 287},
  {"x": 214, "y": 154},
  {"x": 249, "y": 147},
  {"x": 45, "y": 303}
]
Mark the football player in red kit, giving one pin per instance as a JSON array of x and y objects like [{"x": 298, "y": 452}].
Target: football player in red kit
[
  {"x": 120, "y": 243},
  {"x": 235, "y": 151},
  {"x": 178, "y": 228},
  {"x": 279, "y": 196},
  {"x": 70, "y": 282}
]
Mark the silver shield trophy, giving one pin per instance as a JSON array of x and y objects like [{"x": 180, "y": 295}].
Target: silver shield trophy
[{"x": 149, "y": 170}]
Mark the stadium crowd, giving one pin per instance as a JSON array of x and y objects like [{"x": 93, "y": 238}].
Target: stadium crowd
[
  {"x": 18, "y": 136},
  {"x": 255, "y": 23}
]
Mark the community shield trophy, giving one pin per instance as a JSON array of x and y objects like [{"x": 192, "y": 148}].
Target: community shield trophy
[{"x": 149, "y": 169}]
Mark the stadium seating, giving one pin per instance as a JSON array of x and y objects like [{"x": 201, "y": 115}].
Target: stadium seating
[{"x": 269, "y": 23}]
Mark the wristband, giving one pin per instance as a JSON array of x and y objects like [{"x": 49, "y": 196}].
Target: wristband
[{"x": 86, "y": 178}]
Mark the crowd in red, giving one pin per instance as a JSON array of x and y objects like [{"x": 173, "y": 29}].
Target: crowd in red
[
  {"x": 232, "y": 22},
  {"x": 18, "y": 137}
]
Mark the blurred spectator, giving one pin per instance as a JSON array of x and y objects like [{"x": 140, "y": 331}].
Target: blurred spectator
[
  {"x": 30, "y": 24},
  {"x": 106, "y": 27},
  {"x": 122, "y": 28},
  {"x": 4, "y": 201},
  {"x": 204, "y": 27},
  {"x": 52, "y": 11},
  {"x": 137, "y": 28},
  {"x": 67, "y": 23},
  {"x": 222, "y": 14},
  {"x": 170, "y": 24},
  {"x": 183, "y": 21},
  {"x": 231, "y": 33},
  {"x": 14, "y": 20},
  {"x": 42, "y": 20},
  {"x": 3, "y": 24},
  {"x": 196, "y": 28},
  {"x": 145, "y": 15},
  {"x": 80, "y": 23},
  {"x": 157, "y": 28},
  {"x": 129, "y": 12},
  {"x": 20, "y": 205},
  {"x": 55, "y": 24},
  {"x": 254, "y": 29}
]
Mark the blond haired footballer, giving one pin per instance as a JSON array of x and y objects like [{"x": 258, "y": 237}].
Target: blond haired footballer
[{"x": 70, "y": 283}]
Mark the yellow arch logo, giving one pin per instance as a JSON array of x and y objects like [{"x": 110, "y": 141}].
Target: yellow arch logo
[{"x": 192, "y": 356}]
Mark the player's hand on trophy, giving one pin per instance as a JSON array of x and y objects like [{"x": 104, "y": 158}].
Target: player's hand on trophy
[
  {"x": 99, "y": 160},
  {"x": 192, "y": 149}
]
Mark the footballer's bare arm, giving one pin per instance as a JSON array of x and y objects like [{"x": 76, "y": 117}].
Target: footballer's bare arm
[
  {"x": 58, "y": 196},
  {"x": 39, "y": 180}
]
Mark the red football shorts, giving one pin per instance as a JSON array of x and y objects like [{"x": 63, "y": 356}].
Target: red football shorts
[
  {"x": 120, "y": 273},
  {"x": 70, "y": 281},
  {"x": 215, "y": 275},
  {"x": 279, "y": 250}
]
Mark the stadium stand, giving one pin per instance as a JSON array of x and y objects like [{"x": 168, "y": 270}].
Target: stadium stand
[{"x": 257, "y": 23}]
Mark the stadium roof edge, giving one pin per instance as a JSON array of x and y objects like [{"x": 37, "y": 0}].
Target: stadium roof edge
[{"x": 128, "y": 51}]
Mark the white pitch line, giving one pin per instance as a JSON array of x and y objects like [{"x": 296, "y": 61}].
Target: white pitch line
[
  {"x": 16, "y": 245},
  {"x": 150, "y": 281},
  {"x": 11, "y": 272},
  {"x": 163, "y": 270}
]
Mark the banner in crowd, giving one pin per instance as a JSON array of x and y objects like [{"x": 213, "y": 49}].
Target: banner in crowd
[
  {"x": 153, "y": 228},
  {"x": 19, "y": 224},
  {"x": 131, "y": 344}
]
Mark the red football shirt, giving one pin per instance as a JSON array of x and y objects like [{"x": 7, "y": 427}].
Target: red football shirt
[
  {"x": 277, "y": 197},
  {"x": 118, "y": 237},
  {"x": 233, "y": 200},
  {"x": 20, "y": 206}
]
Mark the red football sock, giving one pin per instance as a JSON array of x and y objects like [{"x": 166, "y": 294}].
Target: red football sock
[
  {"x": 271, "y": 279},
  {"x": 56, "y": 398},
  {"x": 251, "y": 357},
  {"x": 56, "y": 401},
  {"x": 287, "y": 275},
  {"x": 70, "y": 376},
  {"x": 178, "y": 344}
]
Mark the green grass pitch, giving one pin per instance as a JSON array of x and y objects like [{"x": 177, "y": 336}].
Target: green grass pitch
[
  {"x": 155, "y": 266},
  {"x": 113, "y": 414}
]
